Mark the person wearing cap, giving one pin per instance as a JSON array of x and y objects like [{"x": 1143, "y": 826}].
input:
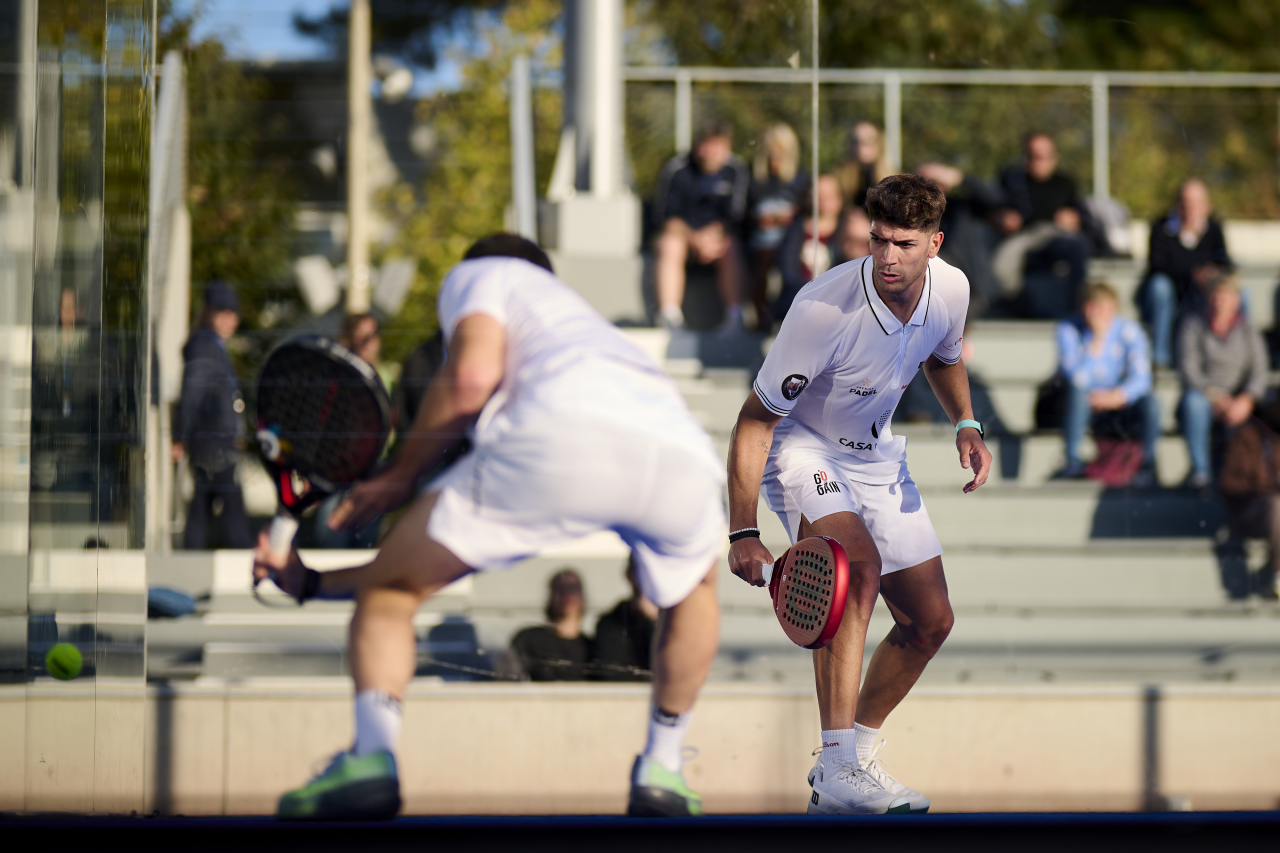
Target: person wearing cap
[{"x": 209, "y": 424}]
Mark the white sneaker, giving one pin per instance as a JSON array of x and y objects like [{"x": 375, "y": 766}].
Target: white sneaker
[
  {"x": 875, "y": 767},
  {"x": 848, "y": 789}
]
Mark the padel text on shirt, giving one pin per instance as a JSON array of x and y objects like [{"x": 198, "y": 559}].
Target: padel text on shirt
[{"x": 842, "y": 361}]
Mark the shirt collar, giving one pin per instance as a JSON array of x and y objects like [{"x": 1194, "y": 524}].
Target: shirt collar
[{"x": 889, "y": 323}]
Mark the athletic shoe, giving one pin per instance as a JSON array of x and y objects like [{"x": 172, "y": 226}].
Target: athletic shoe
[
  {"x": 875, "y": 766},
  {"x": 352, "y": 787},
  {"x": 848, "y": 789},
  {"x": 657, "y": 792}
]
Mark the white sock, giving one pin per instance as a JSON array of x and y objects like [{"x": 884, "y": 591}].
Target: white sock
[
  {"x": 378, "y": 721},
  {"x": 837, "y": 747},
  {"x": 673, "y": 315},
  {"x": 864, "y": 739},
  {"x": 666, "y": 738}
]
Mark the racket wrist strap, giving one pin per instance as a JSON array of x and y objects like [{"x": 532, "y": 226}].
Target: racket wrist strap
[
  {"x": 310, "y": 586},
  {"x": 744, "y": 533}
]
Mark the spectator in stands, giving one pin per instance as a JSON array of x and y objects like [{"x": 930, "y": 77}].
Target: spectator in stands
[
  {"x": 1223, "y": 364},
  {"x": 970, "y": 237},
  {"x": 866, "y": 163},
  {"x": 853, "y": 236},
  {"x": 1250, "y": 484},
  {"x": 209, "y": 423},
  {"x": 1187, "y": 252},
  {"x": 360, "y": 334},
  {"x": 777, "y": 189},
  {"x": 624, "y": 636},
  {"x": 558, "y": 651},
  {"x": 1042, "y": 261},
  {"x": 700, "y": 210},
  {"x": 1106, "y": 364},
  {"x": 800, "y": 259}
]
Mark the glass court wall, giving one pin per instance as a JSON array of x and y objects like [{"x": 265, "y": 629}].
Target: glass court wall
[{"x": 74, "y": 138}]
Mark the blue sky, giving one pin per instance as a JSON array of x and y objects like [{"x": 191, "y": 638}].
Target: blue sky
[{"x": 262, "y": 30}]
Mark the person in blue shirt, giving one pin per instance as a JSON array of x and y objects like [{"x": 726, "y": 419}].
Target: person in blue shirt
[{"x": 1106, "y": 362}]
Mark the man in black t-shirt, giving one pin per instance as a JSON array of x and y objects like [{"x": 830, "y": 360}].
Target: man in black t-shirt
[
  {"x": 558, "y": 651},
  {"x": 699, "y": 211},
  {"x": 624, "y": 637},
  {"x": 1042, "y": 261}
]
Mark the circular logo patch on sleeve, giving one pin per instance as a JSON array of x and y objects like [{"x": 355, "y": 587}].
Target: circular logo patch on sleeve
[{"x": 793, "y": 385}]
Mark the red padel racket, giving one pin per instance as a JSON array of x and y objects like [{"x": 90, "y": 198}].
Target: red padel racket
[
  {"x": 323, "y": 423},
  {"x": 809, "y": 584}
]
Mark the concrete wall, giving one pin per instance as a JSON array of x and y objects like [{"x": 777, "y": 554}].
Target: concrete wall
[{"x": 217, "y": 748}]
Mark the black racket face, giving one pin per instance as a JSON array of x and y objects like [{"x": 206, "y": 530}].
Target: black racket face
[{"x": 326, "y": 409}]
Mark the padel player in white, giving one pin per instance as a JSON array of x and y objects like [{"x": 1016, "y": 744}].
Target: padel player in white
[
  {"x": 575, "y": 431},
  {"x": 815, "y": 438}
]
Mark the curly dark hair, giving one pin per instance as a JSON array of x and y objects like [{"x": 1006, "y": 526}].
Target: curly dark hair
[{"x": 907, "y": 201}]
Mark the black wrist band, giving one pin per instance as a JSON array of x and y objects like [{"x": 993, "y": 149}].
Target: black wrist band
[
  {"x": 310, "y": 586},
  {"x": 744, "y": 533}
]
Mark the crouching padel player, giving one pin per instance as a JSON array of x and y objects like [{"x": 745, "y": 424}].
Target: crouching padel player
[{"x": 575, "y": 430}]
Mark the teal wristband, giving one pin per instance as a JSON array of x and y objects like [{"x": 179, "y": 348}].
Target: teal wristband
[{"x": 968, "y": 423}]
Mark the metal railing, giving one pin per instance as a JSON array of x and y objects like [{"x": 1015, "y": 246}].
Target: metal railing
[{"x": 1099, "y": 83}]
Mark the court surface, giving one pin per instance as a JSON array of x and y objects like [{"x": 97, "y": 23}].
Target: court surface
[{"x": 1094, "y": 832}]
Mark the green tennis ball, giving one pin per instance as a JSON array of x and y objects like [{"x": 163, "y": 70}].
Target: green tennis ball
[{"x": 64, "y": 661}]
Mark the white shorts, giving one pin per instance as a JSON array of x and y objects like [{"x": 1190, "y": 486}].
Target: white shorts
[
  {"x": 530, "y": 489},
  {"x": 817, "y": 486}
]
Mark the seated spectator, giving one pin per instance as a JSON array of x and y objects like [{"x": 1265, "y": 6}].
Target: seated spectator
[
  {"x": 1104, "y": 359},
  {"x": 920, "y": 405},
  {"x": 970, "y": 238},
  {"x": 853, "y": 237},
  {"x": 777, "y": 189},
  {"x": 359, "y": 333},
  {"x": 700, "y": 208},
  {"x": 802, "y": 259},
  {"x": 1187, "y": 252},
  {"x": 559, "y": 651},
  {"x": 1250, "y": 483},
  {"x": 1223, "y": 364},
  {"x": 866, "y": 163},
  {"x": 1042, "y": 261},
  {"x": 624, "y": 636}
]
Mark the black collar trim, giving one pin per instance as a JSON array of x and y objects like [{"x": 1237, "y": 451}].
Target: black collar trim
[{"x": 871, "y": 306}]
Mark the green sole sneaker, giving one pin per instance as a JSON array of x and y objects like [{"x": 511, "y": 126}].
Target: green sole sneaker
[
  {"x": 352, "y": 787},
  {"x": 657, "y": 792}
]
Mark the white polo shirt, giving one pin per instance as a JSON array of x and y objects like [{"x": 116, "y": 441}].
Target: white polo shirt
[{"x": 841, "y": 362}]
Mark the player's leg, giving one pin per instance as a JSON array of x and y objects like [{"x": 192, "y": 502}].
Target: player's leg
[
  {"x": 840, "y": 786},
  {"x": 410, "y": 566},
  {"x": 922, "y": 616},
  {"x": 684, "y": 647},
  {"x": 668, "y": 274},
  {"x": 838, "y": 667}
]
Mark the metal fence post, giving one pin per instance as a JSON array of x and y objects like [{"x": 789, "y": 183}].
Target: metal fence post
[
  {"x": 893, "y": 120},
  {"x": 684, "y": 112},
  {"x": 1101, "y": 138}
]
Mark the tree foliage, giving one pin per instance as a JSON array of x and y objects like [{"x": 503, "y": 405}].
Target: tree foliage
[
  {"x": 409, "y": 30},
  {"x": 1158, "y": 136},
  {"x": 469, "y": 186},
  {"x": 242, "y": 204}
]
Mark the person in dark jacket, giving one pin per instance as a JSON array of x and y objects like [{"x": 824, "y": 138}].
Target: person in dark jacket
[
  {"x": 209, "y": 426},
  {"x": 1187, "y": 252},
  {"x": 624, "y": 637},
  {"x": 699, "y": 210}
]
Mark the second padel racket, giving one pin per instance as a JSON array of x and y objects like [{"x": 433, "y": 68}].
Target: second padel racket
[
  {"x": 809, "y": 584},
  {"x": 323, "y": 423}
]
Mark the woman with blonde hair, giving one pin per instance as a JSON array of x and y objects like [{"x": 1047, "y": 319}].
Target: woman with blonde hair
[
  {"x": 777, "y": 189},
  {"x": 866, "y": 163}
]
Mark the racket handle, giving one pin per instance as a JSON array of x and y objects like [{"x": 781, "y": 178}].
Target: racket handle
[
  {"x": 767, "y": 570},
  {"x": 283, "y": 529}
]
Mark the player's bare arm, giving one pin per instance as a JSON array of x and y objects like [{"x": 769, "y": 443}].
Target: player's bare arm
[
  {"x": 452, "y": 403},
  {"x": 950, "y": 384},
  {"x": 748, "y": 453}
]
